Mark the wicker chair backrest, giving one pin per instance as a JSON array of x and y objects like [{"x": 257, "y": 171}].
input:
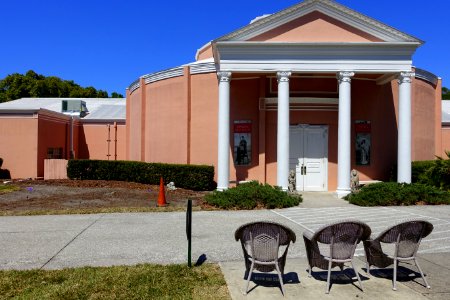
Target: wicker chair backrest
[
  {"x": 342, "y": 237},
  {"x": 407, "y": 235},
  {"x": 285, "y": 235},
  {"x": 265, "y": 246}
]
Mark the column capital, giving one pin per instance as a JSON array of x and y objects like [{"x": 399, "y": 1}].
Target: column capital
[
  {"x": 405, "y": 77},
  {"x": 283, "y": 76},
  {"x": 345, "y": 76},
  {"x": 224, "y": 76}
]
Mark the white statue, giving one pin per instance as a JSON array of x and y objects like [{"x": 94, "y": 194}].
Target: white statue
[
  {"x": 171, "y": 186},
  {"x": 354, "y": 180}
]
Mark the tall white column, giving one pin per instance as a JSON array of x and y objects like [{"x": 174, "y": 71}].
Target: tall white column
[
  {"x": 404, "y": 127},
  {"x": 283, "y": 130},
  {"x": 344, "y": 133},
  {"x": 223, "y": 162}
]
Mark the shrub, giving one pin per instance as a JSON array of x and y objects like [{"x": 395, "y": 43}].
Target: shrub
[
  {"x": 251, "y": 195},
  {"x": 392, "y": 193},
  {"x": 4, "y": 173},
  {"x": 418, "y": 170},
  {"x": 194, "y": 177},
  {"x": 438, "y": 174}
]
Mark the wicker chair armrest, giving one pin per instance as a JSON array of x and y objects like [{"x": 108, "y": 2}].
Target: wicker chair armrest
[{"x": 308, "y": 234}]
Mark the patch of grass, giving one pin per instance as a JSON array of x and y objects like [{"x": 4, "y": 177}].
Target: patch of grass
[
  {"x": 252, "y": 195},
  {"x": 8, "y": 188},
  {"x": 393, "y": 193},
  {"x": 122, "y": 282}
]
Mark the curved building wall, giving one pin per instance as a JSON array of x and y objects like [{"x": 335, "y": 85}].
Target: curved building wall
[
  {"x": 166, "y": 120},
  {"x": 134, "y": 126},
  {"x": 203, "y": 115},
  {"x": 424, "y": 120},
  {"x": 205, "y": 53}
]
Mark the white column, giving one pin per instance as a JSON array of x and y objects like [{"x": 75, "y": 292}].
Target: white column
[
  {"x": 404, "y": 127},
  {"x": 344, "y": 133},
  {"x": 223, "y": 162},
  {"x": 283, "y": 130}
]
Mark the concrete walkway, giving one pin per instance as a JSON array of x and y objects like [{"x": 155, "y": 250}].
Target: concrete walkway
[{"x": 54, "y": 242}]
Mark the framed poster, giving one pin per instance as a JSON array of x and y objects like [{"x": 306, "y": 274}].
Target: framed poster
[
  {"x": 242, "y": 143},
  {"x": 363, "y": 142}
]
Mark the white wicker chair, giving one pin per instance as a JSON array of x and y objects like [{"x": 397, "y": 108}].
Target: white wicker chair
[
  {"x": 406, "y": 237},
  {"x": 261, "y": 243},
  {"x": 340, "y": 240}
]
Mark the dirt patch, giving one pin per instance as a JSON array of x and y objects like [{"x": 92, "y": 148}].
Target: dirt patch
[{"x": 90, "y": 194}]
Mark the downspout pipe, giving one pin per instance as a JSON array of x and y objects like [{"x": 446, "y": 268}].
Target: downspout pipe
[{"x": 72, "y": 154}]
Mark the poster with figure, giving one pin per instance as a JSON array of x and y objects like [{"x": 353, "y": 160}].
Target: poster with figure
[
  {"x": 242, "y": 143},
  {"x": 363, "y": 142}
]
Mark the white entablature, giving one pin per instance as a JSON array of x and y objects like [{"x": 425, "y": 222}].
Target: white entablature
[{"x": 314, "y": 57}]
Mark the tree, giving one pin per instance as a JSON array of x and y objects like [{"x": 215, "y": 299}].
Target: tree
[
  {"x": 15, "y": 86},
  {"x": 116, "y": 95},
  {"x": 445, "y": 93}
]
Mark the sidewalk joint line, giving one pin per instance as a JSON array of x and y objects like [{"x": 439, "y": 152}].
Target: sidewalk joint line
[{"x": 70, "y": 242}]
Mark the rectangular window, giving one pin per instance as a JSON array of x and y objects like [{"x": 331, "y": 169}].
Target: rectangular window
[{"x": 54, "y": 153}]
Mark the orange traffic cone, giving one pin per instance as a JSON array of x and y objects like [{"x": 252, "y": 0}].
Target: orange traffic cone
[{"x": 162, "y": 194}]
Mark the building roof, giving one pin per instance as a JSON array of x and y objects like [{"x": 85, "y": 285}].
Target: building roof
[{"x": 98, "y": 108}]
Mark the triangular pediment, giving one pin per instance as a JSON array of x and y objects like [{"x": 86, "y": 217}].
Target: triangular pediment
[
  {"x": 315, "y": 27},
  {"x": 318, "y": 21}
]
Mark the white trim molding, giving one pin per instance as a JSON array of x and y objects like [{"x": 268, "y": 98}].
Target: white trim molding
[{"x": 314, "y": 57}]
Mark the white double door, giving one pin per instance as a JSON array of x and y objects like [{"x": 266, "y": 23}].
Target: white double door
[{"x": 308, "y": 156}]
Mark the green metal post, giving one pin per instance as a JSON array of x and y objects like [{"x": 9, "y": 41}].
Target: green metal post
[{"x": 189, "y": 230}]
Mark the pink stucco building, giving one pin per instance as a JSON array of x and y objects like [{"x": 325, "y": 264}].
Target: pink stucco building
[{"x": 316, "y": 89}]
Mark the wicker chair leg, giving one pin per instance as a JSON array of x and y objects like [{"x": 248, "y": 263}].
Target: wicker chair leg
[
  {"x": 367, "y": 268},
  {"x": 394, "y": 281},
  {"x": 249, "y": 276},
  {"x": 309, "y": 271},
  {"x": 421, "y": 273},
  {"x": 280, "y": 277},
  {"x": 357, "y": 276},
  {"x": 328, "y": 277}
]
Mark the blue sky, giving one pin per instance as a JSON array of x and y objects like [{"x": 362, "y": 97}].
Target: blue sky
[{"x": 109, "y": 44}]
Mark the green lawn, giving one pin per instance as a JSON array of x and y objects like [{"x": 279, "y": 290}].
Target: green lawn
[{"x": 122, "y": 282}]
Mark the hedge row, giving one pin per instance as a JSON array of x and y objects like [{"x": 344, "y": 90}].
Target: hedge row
[
  {"x": 193, "y": 177},
  {"x": 393, "y": 193}
]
